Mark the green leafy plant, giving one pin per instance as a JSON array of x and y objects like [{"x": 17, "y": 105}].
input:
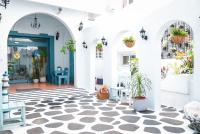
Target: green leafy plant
[
  {"x": 179, "y": 32},
  {"x": 42, "y": 60},
  {"x": 36, "y": 68},
  {"x": 129, "y": 39},
  {"x": 133, "y": 65},
  {"x": 70, "y": 45},
  {"x": 176, "y": 68},
  {"x": 99, "y": 46},
  {"x": 139, "y": 84},
  {"x": 188, "y": 63}
]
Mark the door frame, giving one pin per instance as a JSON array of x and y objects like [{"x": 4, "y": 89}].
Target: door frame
[{"x": 50, "y": 48}]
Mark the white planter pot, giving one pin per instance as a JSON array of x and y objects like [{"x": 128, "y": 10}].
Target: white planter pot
[
  {"x": 177, "y": 83},
  {"x": 42, "y": 79},
  {"x": 35, "y": 80},
  {"x": 140, "y": 104}
]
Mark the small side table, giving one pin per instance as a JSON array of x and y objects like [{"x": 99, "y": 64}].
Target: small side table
[{"x": 115, "y": 93}]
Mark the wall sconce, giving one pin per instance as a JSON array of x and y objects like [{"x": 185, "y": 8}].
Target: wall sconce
[
  {"x": 57, "y": 35},
  {"x": 143, "y": 34},
  {"x": 84, "y": 45},
  {"x": 80, "y": 26},
  {"x": 59, "y": 10},
  {"x": 104, "y": 41},
  {"x": 4, "y": 3},
  {"x": 0, "y": 17}
]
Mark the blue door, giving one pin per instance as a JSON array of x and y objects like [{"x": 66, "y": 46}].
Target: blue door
[{"x": 23, "y": 65}]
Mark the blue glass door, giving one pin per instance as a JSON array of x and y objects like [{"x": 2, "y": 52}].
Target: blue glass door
[{"x": 27, "y": 59}]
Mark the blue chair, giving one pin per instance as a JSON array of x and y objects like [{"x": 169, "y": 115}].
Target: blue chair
[{"x": 61, "y": 75}]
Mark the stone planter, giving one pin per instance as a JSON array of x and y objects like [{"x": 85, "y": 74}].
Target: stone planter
[
  {"x": 35, "y": 80},
  {"x": 42, "y": 79},
  {"x": 177, "y": 83},
  {"x": 140, "y": 103}
]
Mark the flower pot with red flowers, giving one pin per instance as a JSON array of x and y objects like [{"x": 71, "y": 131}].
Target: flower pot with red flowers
[
  {"x": 139, "y": 85},
  {"x": 129, "y": 41},
  {"x": 178, "y": 35}
]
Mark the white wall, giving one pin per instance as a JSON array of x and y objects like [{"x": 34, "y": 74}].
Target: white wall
[
  {"x": 70, "y": 19},
  {"x": 155, "y": 19},
  {"x": 98, "y": 68}
]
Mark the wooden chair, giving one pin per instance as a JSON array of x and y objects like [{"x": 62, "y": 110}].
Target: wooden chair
[{"x": 6, "y": 107}]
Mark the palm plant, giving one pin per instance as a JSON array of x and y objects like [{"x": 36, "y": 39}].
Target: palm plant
[
  {"x": 70, "y": 45},
  {"x": 139, "y": 84}
]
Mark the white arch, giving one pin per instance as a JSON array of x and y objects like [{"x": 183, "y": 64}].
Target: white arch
[{"x": 18, "y": 17}]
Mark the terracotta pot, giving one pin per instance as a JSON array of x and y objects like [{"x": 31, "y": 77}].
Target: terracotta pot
[
  {"x": 99, "y": 49},
  {"x": 130, "y": 44},
  {"x": 178, "y": 39}
]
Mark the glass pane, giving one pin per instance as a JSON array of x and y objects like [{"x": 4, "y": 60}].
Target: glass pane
[
  {"x": 125, "y": 60},
  {"x": 27, "y": 39},
  {"x": 23, "y": 63}
]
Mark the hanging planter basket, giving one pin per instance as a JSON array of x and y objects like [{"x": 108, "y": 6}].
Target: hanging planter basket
[
  {"x": 100, "y": 49},
  {"x": 178, "y": 39},
  {"x": 130, "y": 44}
]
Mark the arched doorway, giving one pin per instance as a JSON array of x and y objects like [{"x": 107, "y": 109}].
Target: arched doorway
[
  {"x": 25, "y": 41},
  {"x": 176, "y": 64}
]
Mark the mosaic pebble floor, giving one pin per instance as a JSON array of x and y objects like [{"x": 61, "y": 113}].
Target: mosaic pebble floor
[{"x": 75, "y": 111}]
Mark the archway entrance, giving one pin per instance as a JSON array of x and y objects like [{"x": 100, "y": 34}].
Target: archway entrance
[
  {"x": 34, "y": 52},
  {"x": 176, "y": 64}
]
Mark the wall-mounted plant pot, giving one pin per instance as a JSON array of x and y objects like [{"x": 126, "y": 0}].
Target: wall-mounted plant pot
[
  {"x": 99, "y": 49},
  {"x": 140, "y": 103},
  {"x": 130, "y": 44},
  {"x": 178, "y": 39},
  {"x": 35, "y": 80}
]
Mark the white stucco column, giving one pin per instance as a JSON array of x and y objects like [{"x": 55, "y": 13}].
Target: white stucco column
[{"x": 195, "y": 92}]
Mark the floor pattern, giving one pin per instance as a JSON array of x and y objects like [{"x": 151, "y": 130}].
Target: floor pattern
[{"x": 75, "y": 111}]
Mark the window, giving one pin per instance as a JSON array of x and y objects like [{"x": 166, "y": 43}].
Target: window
[
  {"x": 126, "y": 58},
  {"x": 130, "y": 2},
  {"x": 126, "y": 3}
]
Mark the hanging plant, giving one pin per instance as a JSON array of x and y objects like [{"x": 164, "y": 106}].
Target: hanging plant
[
  {"x": 70, "y": 45},
  {"x": 178, "y": 35},
  {"x": 99, "y": 46},
  {"x": 129, "y": 41}
]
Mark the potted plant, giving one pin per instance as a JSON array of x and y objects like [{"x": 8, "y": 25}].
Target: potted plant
[
  {"x": 34, "y": 77},
  {"x": 99, "y": 46},
  {"x": 70, "y": 45},
  {"x": 129, "y": 41},
  {"x": 178, "y": 35},
  {"x": 139, "y": 84},
  {"x": 42, "y": 62},
  {"x": 36, "y": 70},
  {"x": 133, "y": 65}
]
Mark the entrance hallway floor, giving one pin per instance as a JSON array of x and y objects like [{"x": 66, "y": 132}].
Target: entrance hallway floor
[
  {"x": 75, "y": 111},
  {"x": 43, "y": 86}
]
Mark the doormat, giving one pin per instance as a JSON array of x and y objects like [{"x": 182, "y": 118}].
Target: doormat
[{"x": 28, "y": 90}]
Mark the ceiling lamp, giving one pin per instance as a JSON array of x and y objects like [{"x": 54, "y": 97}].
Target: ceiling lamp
[
  {"x": 4, "y": 3},
  {"x": 35, "y": 24}
]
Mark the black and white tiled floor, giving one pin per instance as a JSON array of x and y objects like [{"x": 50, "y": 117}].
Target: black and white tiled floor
[{"x": 75, "y": 111}]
